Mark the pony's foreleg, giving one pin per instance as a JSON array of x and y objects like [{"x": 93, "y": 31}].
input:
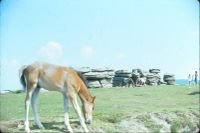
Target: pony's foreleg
[
  {"x": 66, "y": 114},
  {"x": 78, "y": 111},
  {"x": 30, "y": 89},
  {"x": 34, "y": 108}
]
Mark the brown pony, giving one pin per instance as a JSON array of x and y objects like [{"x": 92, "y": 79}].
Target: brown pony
[{"x": 56, "y": 78}]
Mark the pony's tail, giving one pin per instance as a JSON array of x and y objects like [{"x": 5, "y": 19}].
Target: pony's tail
[{"x": 21, "y": 76}]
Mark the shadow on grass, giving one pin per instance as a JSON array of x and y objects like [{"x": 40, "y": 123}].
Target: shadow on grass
[
  {"x": 54, "y": 125},
  {"x": 194, "y": 93}
]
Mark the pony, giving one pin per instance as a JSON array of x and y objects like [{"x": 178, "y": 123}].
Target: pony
[{"x": 52, "y": 77}]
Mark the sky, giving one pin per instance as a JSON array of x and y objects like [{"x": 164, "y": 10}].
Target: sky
[{"x": 121, "y": 34}]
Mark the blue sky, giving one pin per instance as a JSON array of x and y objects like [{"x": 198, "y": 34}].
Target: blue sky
[{"x": 122, "y": 34}]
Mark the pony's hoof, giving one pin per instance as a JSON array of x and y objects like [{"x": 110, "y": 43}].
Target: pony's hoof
[
  {"x": 41, "y": 127},
  {"x": 27, "y": 130},
  {"x": 86, "y": 131},
  {"x": 68, "y": 131}
]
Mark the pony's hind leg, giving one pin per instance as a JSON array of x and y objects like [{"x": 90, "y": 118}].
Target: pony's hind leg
[
  {"x": 34, "y": 108},
  {"x": 66, "y": 114},
  {"x": 30, "y": 89}
]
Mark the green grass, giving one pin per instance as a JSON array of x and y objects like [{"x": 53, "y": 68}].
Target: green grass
[
  {"x": 155, "y": 128},
  {"x": 112, "y": 105}
]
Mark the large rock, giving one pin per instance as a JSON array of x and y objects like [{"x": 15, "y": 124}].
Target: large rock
[
  {"x": 106, "y": 83},
  {"x": 123, "y": 75},
  {"x": 120, "y": 79},
  {"x": 94, "y": 75},
  {"x": 171, "y": 82},
  {"x": 154, "y": 71},
  {"x": 98, "y": 77},
  {"x": 150, "y": 75},
  {"x": 110, "y": 73},
  {"x": 94, "y": 84},
  {"x": 122, "y": 71},
  {"x": 144, "y": 73},
  {"x": 135, "y": 74},
  {"x": 84, "y": 69},
  {"x": 169, "y": 79},
  {"x": 169, "y": 75},
  {"x": 153, "y": 79},
  {"x": 101, "y": 69}
]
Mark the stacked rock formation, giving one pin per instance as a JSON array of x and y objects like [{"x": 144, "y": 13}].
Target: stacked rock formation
[
  {"x": 153, "y": 77},
  {"x": 169, "y": 79},
  {"x": 106, "y": 77},
  {"x": 101, "y": 77},
  {"x": 121, "y": 78},
  {"x": 136, "y": 73}
]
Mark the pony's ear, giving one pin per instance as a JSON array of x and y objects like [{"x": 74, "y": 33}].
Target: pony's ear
[{"x": 93, "y": 99}]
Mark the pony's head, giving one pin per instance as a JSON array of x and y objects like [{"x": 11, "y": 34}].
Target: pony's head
[{"x": 88, "y": 107}]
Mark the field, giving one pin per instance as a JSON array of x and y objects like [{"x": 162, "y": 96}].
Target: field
[{"x": 140, "y": 109}]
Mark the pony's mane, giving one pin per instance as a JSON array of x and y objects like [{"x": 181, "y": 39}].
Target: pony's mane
[{"x": 83, "y": 78}]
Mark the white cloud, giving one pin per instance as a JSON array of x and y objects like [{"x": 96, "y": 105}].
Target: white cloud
[
  {"x": 120, "y": 56},
  {"x": 87, "y": 51},
  {"x": 51, "y": 51}
]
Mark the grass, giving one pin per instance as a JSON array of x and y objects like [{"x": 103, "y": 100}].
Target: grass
[
  {"x": 155, "y": 128},
  {"x": 112, "y": 105},
  {"x": 181, "y": 122}
]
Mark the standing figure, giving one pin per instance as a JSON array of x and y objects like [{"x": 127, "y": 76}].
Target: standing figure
[
  {"x": 195, "y": 77},
  {"x": 189, "y": 79}
]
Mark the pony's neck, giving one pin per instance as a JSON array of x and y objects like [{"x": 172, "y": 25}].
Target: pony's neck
[{"x": 84, "y": 94}]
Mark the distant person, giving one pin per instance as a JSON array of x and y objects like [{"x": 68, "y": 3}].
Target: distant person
[
  {"x": 195, "y": 77},
  {"x": 189, "y": 79}
]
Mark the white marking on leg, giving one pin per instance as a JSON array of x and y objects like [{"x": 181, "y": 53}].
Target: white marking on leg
[
  {"x": 79, "y": 113},
  {"x": 67, "y": 124},
  {"x": 66, "y": 114},
  {"x": 27, "y": 105},
  {"x": 26, "y": 122}
]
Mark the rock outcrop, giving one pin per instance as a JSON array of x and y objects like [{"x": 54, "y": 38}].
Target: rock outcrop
[{"x": 107, "y": 77}]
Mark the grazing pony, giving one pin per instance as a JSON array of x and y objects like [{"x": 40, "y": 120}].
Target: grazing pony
[{"x": 56, "y": 78}]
